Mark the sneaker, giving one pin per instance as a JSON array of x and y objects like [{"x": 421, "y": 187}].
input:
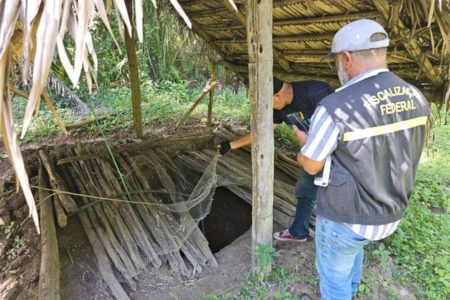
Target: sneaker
[
  {"x": 286, "y": 236},
  {"x": 305, "y": 296}
]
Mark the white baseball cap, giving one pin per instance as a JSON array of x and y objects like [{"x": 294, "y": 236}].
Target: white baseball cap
[{"x": 357, "y": 35}]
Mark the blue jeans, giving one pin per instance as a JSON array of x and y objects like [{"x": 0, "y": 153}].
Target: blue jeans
[
  {"x": 305, "y": 192},
  {"x": 339, "y": 259}
]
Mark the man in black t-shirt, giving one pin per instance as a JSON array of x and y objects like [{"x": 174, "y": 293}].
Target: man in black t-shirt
[{"x": 296, "y": 97}]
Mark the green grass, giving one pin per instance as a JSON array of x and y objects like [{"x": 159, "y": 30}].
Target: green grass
[
  {"x": 420, "y": 247},
  {"x": 160, "y": 103}
]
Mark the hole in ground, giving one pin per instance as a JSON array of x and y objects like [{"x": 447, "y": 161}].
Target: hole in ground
[{"x": 230, "y": 217}]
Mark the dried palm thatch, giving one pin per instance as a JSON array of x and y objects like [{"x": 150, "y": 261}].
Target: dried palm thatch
[{"x": 303, "y": 32}]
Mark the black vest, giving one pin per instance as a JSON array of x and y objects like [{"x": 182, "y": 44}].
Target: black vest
[{"x": 381, "y": 120}]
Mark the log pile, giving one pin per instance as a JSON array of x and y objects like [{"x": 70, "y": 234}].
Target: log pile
[
  {"x": 131, "y": 206},
  {"x": 131, "y": 231}
]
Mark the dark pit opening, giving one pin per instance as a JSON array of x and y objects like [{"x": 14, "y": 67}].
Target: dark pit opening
[{"x": 230, "y": 217}]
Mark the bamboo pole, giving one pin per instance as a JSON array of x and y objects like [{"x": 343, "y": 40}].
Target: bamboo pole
[
  {"x": 259, "y": 37},
  {"x": 130, "y": 43},
  {"x": 49, "y": 274}
]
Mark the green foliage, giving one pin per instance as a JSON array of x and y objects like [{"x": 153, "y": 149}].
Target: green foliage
[
  {"x": 168, "y": 49},
  {"x": 381, "y": 254},
  {"x": 286, "y": 135},
  {"x": 9, "y": 229},
  {"x": 262, "y": 284},
  {"x": 421, "y": 247},
  {"x": 15, "y": 242}
]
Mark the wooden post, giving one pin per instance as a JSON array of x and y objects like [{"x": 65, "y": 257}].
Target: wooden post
[
  {"x": 213, "y": 70},
  {"x": 130, "y": 43},
  {"x": 50, "y": 266},
  {"x": 259, "y": 39}
]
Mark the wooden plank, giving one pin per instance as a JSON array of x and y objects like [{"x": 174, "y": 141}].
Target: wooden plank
[
  {"x": 259, "y": 37},
  {"x": 49, "y": 275},
  {"x": 130, "y": 43}
]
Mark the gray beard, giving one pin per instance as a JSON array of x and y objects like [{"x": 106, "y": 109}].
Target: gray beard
[{"x": 343, "y": 77}]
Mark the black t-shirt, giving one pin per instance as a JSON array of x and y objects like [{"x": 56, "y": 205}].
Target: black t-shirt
[{"x": 307, "y": 94}]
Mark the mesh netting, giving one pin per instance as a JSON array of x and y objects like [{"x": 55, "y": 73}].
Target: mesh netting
[{"x": 159, "y": 223}]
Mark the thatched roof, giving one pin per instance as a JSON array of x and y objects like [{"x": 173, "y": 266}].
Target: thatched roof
[{"x": 303, "y": 31}]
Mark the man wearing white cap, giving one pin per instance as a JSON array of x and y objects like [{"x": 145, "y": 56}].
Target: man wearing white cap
[{"x": 373, "y": 128}]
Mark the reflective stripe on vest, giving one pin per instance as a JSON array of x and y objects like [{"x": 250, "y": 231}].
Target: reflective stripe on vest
[{"x": 384, "y": 129}]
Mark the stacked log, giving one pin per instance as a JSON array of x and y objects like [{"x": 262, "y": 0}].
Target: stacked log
[{"x": 125, "y": 203}]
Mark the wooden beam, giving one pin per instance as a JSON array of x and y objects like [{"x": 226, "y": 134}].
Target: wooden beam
[
  {"x": 259, "y": 36},
  {"x": 410, "y": 43},
  {"x": 208, "y": 13},
  {"x": 303, "y": 73},
  {"x": 290, "y": 38},
  {"x": 333, "y": 81},
  {"x": 317, "y": 21},
  {"x": 49, "y": 274},
  {"x": 130, "y": 43},
  {"x": 392, "y": 57}
]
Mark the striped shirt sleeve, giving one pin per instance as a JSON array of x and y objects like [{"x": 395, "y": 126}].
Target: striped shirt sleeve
[{"x": 322, "y": 137}]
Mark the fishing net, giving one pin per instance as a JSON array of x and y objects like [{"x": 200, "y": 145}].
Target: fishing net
[{"x": 150, "y": 210}]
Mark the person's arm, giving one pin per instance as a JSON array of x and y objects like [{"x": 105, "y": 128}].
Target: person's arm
[
  {"x": 319, "y": 144},
  {"x": 243, "y": 141},
  {"x": 312, "y": 167}
]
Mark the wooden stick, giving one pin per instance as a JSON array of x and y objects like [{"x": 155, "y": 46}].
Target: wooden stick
[
  {"x": 110, "y": 243},
  {"x": 55, "y": 113},
  {"x": 180, "y": 142},
  {"x": 61, "y": 216},
  {"x": 128, "y": 214},
  {"x": 114, "y": 218},
  {"x": 209, "y": 85},
  {"x": 104, "y": 264},
  {"x": 213, "y": 71},
  {"x": 157, "y": 223},
  {"x": 49, "y": 274},
  {"x": 58, "y": 184},
  {"x": 84, "y": 122}
]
